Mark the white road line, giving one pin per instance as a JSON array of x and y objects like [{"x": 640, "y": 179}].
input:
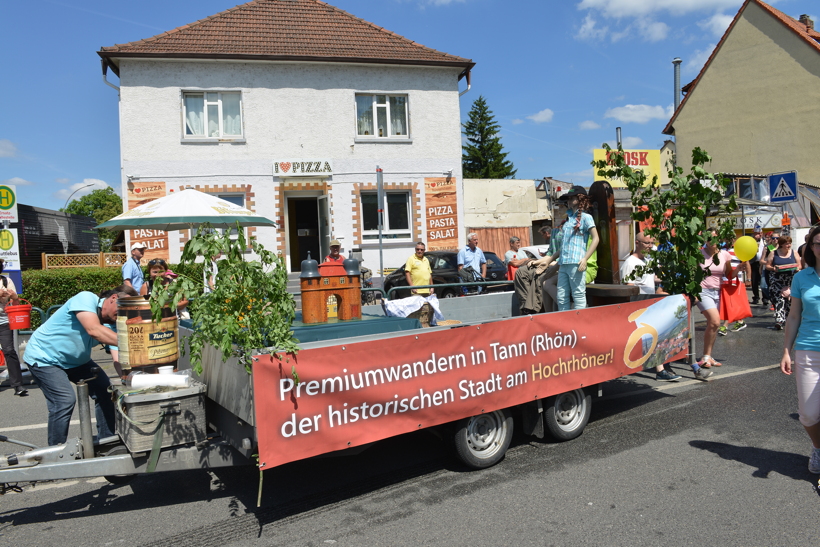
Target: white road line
[
  {"x": 673, "y": 385},
  {"x": 39, "y": 426}
]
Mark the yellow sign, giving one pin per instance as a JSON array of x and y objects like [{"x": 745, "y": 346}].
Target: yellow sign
[
  {"x": 6, "y": 240},
  {"x": 7, "y": 199},
  {"x": 648, "y": 161}
]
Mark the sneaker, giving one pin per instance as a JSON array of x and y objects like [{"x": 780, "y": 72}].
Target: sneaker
[
  {"x": 814, "y": 461},
  {"x": 21, "y": 392},
  {"x": 703, "y": 374},
  {"x": 778, "y": 326},
  {"x": 755, "y": 301},
  {"x": 722, "y": 330},
  {"x": 740, "y": 325},
  {"x": 666, "y": 376}
]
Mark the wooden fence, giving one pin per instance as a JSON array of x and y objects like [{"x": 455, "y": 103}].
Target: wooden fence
[
  {"x": 84, "y": 260},
  {"x": 497, "y": 240}
]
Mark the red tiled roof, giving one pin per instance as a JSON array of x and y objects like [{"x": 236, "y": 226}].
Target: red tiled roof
[
  {"x": 307, "y": 30},
  {"x": 811, "y": 36}
]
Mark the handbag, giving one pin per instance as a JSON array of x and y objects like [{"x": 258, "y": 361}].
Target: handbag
[{"x": 734, "y": 303}]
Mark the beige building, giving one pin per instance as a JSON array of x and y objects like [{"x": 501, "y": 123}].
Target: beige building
[{"x": 755, "y": 106}]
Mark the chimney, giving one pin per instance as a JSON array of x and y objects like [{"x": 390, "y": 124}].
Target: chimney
[
  {"x": 676, "y": 62},
  {"x": 807, "y": 21}
]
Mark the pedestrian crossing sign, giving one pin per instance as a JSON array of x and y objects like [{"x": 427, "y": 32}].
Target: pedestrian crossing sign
[{"x": 783, "y": 187}]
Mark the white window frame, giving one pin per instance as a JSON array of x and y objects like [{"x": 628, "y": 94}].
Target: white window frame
[
  {"x": 393, "y": 234},
  {"x": 222, "y": 137},
  {"x": 373, "y": 136},
  {"x": 232, "y": 231}
]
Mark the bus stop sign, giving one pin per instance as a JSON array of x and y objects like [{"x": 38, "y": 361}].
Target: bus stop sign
[{"x": 783, "y": 187}]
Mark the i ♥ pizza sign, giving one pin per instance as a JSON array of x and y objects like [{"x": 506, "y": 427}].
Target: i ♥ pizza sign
[{"x": 303, "y": 168}]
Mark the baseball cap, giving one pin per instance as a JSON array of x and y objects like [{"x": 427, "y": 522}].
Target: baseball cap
[
  {"x": 138, "y": 245},
  {"x": 574, "y": 191},
  {"x": 335, "y": 242}
]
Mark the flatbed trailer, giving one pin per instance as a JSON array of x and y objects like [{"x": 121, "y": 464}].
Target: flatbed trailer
[{"x": 474, "y": 379}]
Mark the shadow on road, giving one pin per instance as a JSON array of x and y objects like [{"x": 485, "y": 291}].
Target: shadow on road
[{"x": 765, "y": 461}]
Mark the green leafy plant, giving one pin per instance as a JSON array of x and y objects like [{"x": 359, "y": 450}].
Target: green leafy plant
[
  {"x": 101, "y": 204},
  {"x": 678, "y": 214},
  {"x": 249, "y": 308}
]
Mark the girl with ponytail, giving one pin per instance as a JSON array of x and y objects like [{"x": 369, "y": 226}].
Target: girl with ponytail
[{"x": 578, "y": 242}]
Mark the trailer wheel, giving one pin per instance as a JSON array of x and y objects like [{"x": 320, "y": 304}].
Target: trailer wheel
[
  {"x": 448, "y": 293},
  {"x": 118, "y": 479},
  {"x": 481, "y": 441},
  {"x": 566, "y": 415}
]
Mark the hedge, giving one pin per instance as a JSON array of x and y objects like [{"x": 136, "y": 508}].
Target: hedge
[{"x": 46, "y": 288}]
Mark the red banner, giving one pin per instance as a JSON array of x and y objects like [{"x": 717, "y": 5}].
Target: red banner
[{"x": 353, "y": 394}]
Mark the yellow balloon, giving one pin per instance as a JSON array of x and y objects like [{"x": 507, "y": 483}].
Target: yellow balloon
[{"x": 745, "y": 248}]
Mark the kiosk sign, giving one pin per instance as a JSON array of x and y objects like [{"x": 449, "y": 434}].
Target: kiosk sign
[{"x": 8, "y": 203}]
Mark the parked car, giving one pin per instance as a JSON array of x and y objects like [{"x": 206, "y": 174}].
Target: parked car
[{"x": 445, "y": 270}]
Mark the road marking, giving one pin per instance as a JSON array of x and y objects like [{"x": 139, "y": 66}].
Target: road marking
[
  {"x": 673, "y": 385},
  {"x": 40, "y": 426}
]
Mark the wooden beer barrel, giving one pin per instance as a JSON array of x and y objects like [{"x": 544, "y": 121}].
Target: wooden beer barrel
[{"x": 144, "y": 344}]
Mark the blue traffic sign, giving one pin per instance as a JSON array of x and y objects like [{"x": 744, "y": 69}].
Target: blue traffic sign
[{"x": 783, "y": 187}]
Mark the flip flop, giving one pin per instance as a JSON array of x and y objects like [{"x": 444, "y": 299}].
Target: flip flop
[
  {"x": 704, "y": 364},
  {"x": 713, "y": 363}
]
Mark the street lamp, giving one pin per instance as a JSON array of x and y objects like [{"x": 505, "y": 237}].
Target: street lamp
[{"x": 74, "y": 192}]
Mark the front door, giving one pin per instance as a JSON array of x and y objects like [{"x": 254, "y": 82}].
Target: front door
[
  {"x": 324, "y": 227},
  {"x": 303, "y": 231}
]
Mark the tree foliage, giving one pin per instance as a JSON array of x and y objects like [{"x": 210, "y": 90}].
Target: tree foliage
[
  {"x": 249, "y": 308},
  {"x": 678, "y": 214},
  {"x": 482, "y": 156},
  {"x": 101, "y": 205}
]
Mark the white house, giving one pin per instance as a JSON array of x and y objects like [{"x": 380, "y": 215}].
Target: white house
[{"x": 288, "y": 107}]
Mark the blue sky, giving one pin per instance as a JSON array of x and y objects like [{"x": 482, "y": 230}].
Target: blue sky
[{"x": 559, "y": 75}]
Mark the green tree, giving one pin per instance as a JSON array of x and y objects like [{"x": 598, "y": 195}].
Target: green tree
[
  {"x": 101, "y": 205},
  {"x": 483, "y": 157},
  {"x": 679, "y": 216}
]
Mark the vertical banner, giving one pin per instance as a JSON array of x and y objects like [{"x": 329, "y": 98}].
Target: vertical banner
[
  {"x": 155, "y": 241},
  {"x": 356, "y": 393},
  {"x": 441, "y": 216}
]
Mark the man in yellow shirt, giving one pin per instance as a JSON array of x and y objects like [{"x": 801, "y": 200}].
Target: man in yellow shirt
[{"x": 417, "y": 270}]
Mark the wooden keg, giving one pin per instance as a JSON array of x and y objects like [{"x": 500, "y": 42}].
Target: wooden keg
[{"x": 142, "y": 342}]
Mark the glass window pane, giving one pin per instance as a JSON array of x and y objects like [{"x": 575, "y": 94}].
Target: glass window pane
[
  {"x": 370, "y": 213},
  {"x": 398, "y": 116},
  {"x": 364, "y": 114},
  {"x": 213, "y": 97},
  {"x": 381, "y": 121},
  {"x": 381, "y": 99},
  {"x": 194, "y": 105},
  {"x": 745, "y": 188},
  {"x": 235, "y": 199},
  {"x": 397, "y": 217},
  {"x": 213, "y": 120},
  {"x": 231, "y": 118}
]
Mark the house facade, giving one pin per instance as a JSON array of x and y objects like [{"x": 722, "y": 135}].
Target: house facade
[
  {"x": 289, "y": 107},
  {"x": 755, "y": 105}
]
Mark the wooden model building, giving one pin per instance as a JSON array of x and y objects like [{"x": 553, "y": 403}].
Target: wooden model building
[{"x": 318, "y": 282}]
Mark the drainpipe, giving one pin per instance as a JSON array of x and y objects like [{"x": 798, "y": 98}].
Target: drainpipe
[
  {"x": 105, "y": 71},
  {"x": 469, "y": 73},
  {"x": 676, "y": 61}
]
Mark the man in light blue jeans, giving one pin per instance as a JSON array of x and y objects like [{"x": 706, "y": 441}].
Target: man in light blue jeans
[{"x": 59, "y": 352}]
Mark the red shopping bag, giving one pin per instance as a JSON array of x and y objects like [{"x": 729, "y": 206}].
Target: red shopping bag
[{"x": 734, "y": 303}]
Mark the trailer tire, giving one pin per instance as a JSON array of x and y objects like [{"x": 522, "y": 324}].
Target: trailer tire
[
  {"x": 448, "y": 293},
  {"x": 566, "y": 415},
  {"x": 481, "y": 441},
  {"x": 118, "y": 480}
]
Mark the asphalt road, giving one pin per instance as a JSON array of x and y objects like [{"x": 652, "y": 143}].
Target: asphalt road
[{"x": 687, "y": 463}]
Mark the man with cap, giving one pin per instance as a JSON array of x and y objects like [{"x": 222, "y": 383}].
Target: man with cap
[
  {"x": 132, "y": 270},
  {"x": 335, "y": 252}
]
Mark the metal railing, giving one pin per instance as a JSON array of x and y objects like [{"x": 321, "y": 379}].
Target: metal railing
[{"x": 491, "y": 284}]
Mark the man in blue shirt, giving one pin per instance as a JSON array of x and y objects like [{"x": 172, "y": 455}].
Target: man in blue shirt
[
  {"x": 59, "y": 352},
  {"x": 471, "y": 255},
  {"x": 132, "y": 274}
]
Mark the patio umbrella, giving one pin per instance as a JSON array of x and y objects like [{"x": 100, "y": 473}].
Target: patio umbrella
[{"x": 185, "y": 210}]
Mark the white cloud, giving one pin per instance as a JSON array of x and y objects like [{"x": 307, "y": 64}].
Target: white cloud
[
  {"x": 17, "y": 181},
  {"x": 638, "y": 113},
  {"x": 7, "y": 149},
  {"x": 542, "y": 117},
  {"x": 584, "y": 178},
  {"x": 517, "y": 121},
  {"x": 82, "y": 188},
  {"x": 62, "y": 181},
  {"x": 588, "y": 30},
  {"x": 652, "y": 31},
  {"x": 628, "y": 143},
  {"x": 588, "y": 124},
  {"x": 716, "y": 24},
  {"x": 698, "y": 59},
  {"x": 619, "y": 9}
]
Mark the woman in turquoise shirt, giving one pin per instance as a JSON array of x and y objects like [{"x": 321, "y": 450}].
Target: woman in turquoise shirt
[{"x": 803, "y": 331}]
